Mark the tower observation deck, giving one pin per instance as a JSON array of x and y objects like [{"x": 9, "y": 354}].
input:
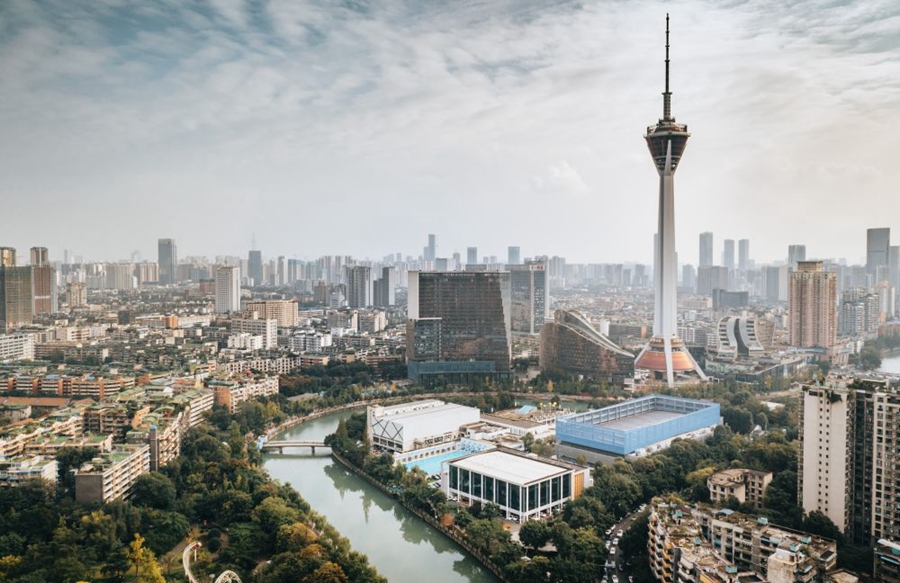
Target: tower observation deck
[{"x": 665, "y": 355}]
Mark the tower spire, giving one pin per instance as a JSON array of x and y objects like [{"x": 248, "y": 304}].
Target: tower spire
[{"x": 667, "y": 95}]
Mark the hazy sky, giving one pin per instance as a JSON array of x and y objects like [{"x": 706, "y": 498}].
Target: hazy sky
[{"x": 358, "y": 129}]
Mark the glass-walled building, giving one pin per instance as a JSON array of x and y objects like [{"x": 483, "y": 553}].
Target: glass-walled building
[{"x": 525, "y": 488}]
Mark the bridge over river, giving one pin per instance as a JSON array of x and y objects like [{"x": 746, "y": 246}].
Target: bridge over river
[{"x": 280, "y": 446}]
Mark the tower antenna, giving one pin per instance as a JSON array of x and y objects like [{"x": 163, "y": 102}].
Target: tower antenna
[{"x": 667, "y": 95}]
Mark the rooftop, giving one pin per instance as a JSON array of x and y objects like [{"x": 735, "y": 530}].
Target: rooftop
[{"x": 509, "y": 467}]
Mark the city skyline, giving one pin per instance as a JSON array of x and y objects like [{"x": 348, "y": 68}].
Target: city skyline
[{"x": 288, "y": 114}]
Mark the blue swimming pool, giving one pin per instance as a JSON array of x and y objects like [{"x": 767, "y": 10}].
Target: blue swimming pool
[{"x": 432, "y": 465}]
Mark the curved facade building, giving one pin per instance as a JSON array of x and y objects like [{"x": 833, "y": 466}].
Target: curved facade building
[
  {"x": 570, "y": 345},
  {"x": 737, "y": 337}
]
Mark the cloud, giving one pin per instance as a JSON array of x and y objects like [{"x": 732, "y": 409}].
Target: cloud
[{"x": 230, "y": 109}]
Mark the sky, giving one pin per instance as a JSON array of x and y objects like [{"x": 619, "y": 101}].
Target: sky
[{"x": 357, "y": 127}]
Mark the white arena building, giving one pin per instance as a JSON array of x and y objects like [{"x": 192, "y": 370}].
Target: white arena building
[{"x": 402, "y": 428}]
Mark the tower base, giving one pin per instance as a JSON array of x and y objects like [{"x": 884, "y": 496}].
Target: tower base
[{"x": 667, "y": 357}]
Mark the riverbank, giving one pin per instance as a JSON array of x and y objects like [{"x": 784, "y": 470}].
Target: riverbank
[{"x": 431, "y": 521}]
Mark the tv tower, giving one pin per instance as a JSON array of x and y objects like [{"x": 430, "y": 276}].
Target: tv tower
[{"x": 666, "y": 354}]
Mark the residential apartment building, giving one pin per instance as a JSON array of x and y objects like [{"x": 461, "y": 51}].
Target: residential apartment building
[
  {"x": 16, "y": 347},
  {"x": 850, "y": 448},
  {"x": 742, "y": 484},
  {"x": 530, "y": 296},
  {"x": 16, "y": 299},
  {"x": 813, "y": 306},
  {"x": 228, "y": 289},
  {"x": 265, "y": 327},
  {"x": 231, "y": 393},
  {"x": 111, "y": 476},
  {"x": 284, "y": 312}
]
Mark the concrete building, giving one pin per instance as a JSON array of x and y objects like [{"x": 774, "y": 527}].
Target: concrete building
[
  {"x": 231, "y": 393},
  {"x": 16, "y": 299},
  {"x": 267, "y": 328},
  {"x": 459, "y": 326},
  {"x": 76, "y": 294},
  {"x": 666, "y": 356},
  {"x": 409, "y": 426},
  {"x": 472, "y": 256},
  {"x": 513, "y": 256},
  {"x": 7, "y": 257},
  {"x": 384, "y": 289},
  {"x": 743, "y": 484},
  {"x": 430, "y": 252},
  {"x": 706, "y": 249},
  {"x": 15, "y": 347},
  {"x": 17, "y": 469},
  {"x": 744, "y": 255},
  {"x": 284, "y": 312},
  {"x": 571, "y": 345},
  {"x": 848, "y": 437},
  {"x": 710, "y": 278},
  {"x": 813, "y": 306},
  {"x": 636, "y": 426},
  {"x": 701, "y": 544},
  {"x": 255, "y": 268},
  {"x": 530, "y": 297},
  {"x": 736, "y": 337},
  {"x": 887, "y": 561},
  {"x": 228, "y": 289},
  {"x": 796, "y": 254},
  {"x": 728, "y": 254},
  {"x": 359, "y": 286},
  {"x": 524, "y": 487},
  {"x": 878, "y": 244},
  {"x": 44, "y": 288},
  {"x": 168, "y": 261},
  {"x": 112, "y": 475}
]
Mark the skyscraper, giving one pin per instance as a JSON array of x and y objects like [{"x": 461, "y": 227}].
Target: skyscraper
[
  {"x": 39, "y": 256},
  {"x": 7, "y": 256},
  {"x": 728, "y": 254},
  {"x": 359, "y": 286},
  {"x": 255, "y": 267},
  {"x": 472, "y": 256},
  {"x": 228, "y": 289},
  {"x": 384, "y": 288},
  {"x": 459, "y": 325},
  {"x": 796, "y": 254},
  {"x": 530, "y": 289},
  {"x": 666, "y": 354},
  {"x": 16, "y": 299},
  {"x": 878, "y": 244},
  {"x": 813, "y": 306},
  {"x": 430, "y": 251},
  {"x": 706, "y": 249},
  {"x": 168, "y": 261},
  {"x": 744, "y": 255},
  {"x": 513, "y": 256}
]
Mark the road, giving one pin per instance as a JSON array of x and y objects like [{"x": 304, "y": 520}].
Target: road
[{"x": 621, "y": 570}]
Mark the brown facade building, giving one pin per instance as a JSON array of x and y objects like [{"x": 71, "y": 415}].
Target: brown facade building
[
  {"x": 570, "y": 345},
  {"x": 813, "y": 306}
]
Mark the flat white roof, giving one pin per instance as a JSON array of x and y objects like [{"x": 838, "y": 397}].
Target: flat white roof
[
  {"x": 393, "y": 409},
  {"x": 508, "y": 467}
]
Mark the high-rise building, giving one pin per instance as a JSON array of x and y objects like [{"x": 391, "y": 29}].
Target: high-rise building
[
  {"x": 168, "y": 261},
  {"x": 472, "y": 256},
  {"x": 359, "y": 286},
  {"x": 688, "y": 276},
  {"x": 76, "y": 294},
  {"x": 849, "y": 443},
  {"x": 513, "y": 256},
  {"x": 710, "y": 278},
  {"x": 39, "y": 256},
  {"x": 431, "y": 249},
  {"x": 878, "y": 244},
  {"x": 16, "y": 299},
  {"x": 666, "y": 354},
  {"x": 706, "y": 249},
  {"x": 384, "y": 288},
  {"x": 530, "y": 288},
  {"x": 7, "y": 256},
  {"x": 773, "y": 282},
  {"x": 796, "y": 254},
  {"x": 744, "y": 255},
  {"x": 228, "y": 289},
  {"x": 728, "y": 254},
  {"x": 44, "y": 290},
  {"x": 255, "y": 268},
  {"x": 813, "y": 306},
  {"x": 459, "y": 325}
]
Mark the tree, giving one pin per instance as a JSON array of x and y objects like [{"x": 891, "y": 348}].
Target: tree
[
  {"x": 327, "y": 573},
  {"x": 154, "y": 490},
  {"x": 534, "y": 534},
  {"x": 143, "y": 562}
]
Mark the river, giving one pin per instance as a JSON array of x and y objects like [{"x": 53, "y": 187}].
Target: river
[
  {"x": 398, "y": 544},
  {"x": 891, "y": 364}
]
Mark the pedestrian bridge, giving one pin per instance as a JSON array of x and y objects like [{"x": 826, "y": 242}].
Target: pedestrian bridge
[{"x": 280, "y": 446}]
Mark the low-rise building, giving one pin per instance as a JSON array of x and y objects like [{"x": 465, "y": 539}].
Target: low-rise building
[
  {"x": 16, "y": 347},
  {"x": 887, "y": 561},
  {"x": 743, "y": 484},
  {"x": 525, "y": 487},
  {"x": 401, "y": 428},
  {"x": 20, "y": 468},
  {"x": 111, "y": 476},
  {"x": 231, "y": 393}
]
